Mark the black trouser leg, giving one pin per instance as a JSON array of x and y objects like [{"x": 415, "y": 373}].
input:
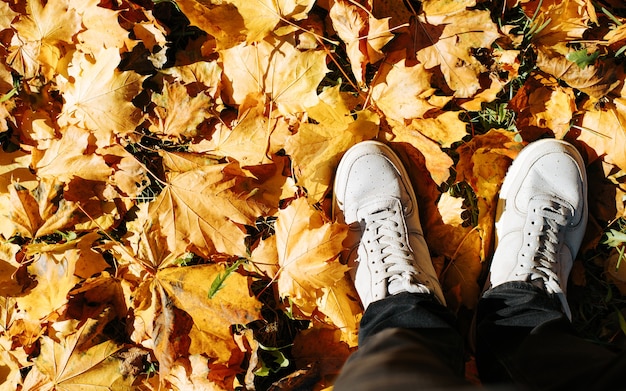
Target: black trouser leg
[
  {"x": 406, "y": 342},
  {"x": 524, "y": 338}
]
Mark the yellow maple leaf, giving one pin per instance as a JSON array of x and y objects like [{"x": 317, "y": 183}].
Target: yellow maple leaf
[
  {"x": 287, "y": 76},
  {"x": 37, "y": 212},
  {"x": 44, "y": 33},
  {"x": 98, "y": 97},
  {"x": 451, "y": 209},
  {"x": 235, "y": 21},
  {"x": 188, "y": 289},
  {"x": 317, "y": 147},
  {"x": 560, "y": 21},
  {"x": 54, "y": 272},
  {"x": 73, "y": 363},
  {"x": 602, "y": 131},
  {"x": 69, "y": 157},
  {"x": 246, "y": 139},
  {"x": 6, "y": 16},
  {"x": 449, "y": 41},
  {"x": 14, "y": 167},
  {"x": 205, "y": 209},
  {"x": 178, "y": 114},
  {"x": 308, "y": 250},
  {"x": 404, "y": 92},
  {"x": 341, "y": 304},
  {"x": 437, "y": 162},
  {"x": 483, "y": 163},
  {"x": 446, "y": 128},
  {"x": 102, "y": 28}
]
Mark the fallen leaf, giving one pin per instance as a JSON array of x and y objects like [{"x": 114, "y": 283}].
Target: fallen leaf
[
  {"x": 448, "y": 42},
  {"x": 342, "y": 305},
  {"x": 102, "y": 29},
  {"x": 287, "y": 76},
  {"x": 308, "y": 251},
  {"x": 69, "y": 157},
  {"x": 602, "y": 130},
  {"x": 205, "y": 209},
  {"x": 44, "y": 33},
  {"x": 100, "y": 96},
  {"x": 317, "y": 147},
  {"x": 363, "y": 34},
  {"x": 66, "y": 364},
  {"x": 437, "y": 162},
  {"x": 451, "y": 209},
  {"x": 246, "y": 139},
  {"x": 404, "y": 92}
]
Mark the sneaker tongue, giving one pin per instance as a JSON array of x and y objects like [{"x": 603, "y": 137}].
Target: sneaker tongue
[
  {"x": 376, "y": 205},
  {"x": 556, "y": 209}
]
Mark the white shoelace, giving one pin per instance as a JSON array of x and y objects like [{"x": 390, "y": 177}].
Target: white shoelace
[
  {"x": 387, "y": 244},
  {"x": 541, "y": 244}
]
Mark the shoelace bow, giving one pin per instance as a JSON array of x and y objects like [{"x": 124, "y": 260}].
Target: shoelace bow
[
  {"x": 386, "y": 243},
  {"x": 541, "y": 245}
]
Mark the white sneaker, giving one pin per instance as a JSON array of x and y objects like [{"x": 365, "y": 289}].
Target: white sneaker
[
  {"x": 373, "y": 190},
  {"x": 543, "y": 202}
]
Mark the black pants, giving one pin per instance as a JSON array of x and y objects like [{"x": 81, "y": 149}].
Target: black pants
[{"x": 523, "y": 341}]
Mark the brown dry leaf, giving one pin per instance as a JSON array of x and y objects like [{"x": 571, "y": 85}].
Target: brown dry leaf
[
  {"x": 14, "y": 168},
  {"x": 404, "y": 92},
  {"x": 99, "y": 96},
  {"x": 595, "y": 80},
  {"x": 6, "y": 16},
  {"x": 205, "y": 209},
  {"x": 544, "y": 103},
  {"x": 188, "y": 288},
  {"x": 44, "y": 34},
  {"x": 130, "y": 176},
  {"x": 323, "y": 349},
  {"x": 462, "y": 247},
  {"x": 10, "y": 284},
  {"x": 433, "y": 8},
  {"x": 192, "y": 376},
  {"x": 72, "y": 364},
  {"x": 308, "y": 250},
  {"x": 287, "y": 76},
  {"x": 449, "y": 43},
  {"x": 38, "y": 212},
  {"x": 206, "y": 73},
  {"x": 178, "y": 114},
  {"x": 317, "y": 147},
  {"x": 54, "y": 272},
  {"x": 173, "y": 313}
]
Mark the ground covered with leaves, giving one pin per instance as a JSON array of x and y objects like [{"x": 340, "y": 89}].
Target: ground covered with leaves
[{"x": 166, "y": 173}]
